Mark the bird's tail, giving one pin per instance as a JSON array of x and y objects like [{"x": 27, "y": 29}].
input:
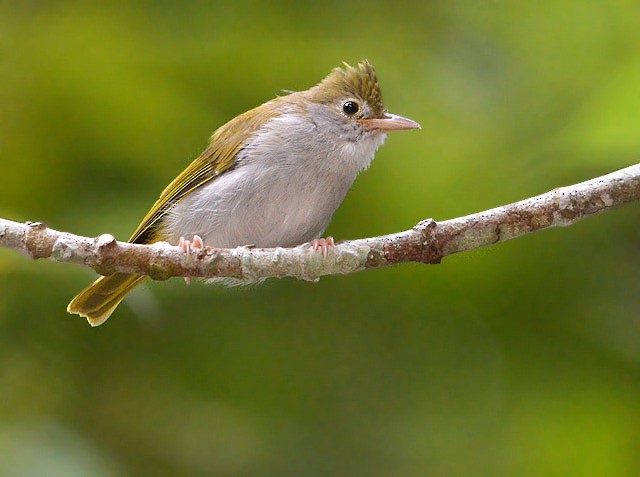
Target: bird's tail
[{"x": 98, "y": 300}]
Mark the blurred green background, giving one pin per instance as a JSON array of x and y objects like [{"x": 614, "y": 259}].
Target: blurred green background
[{"x": 518, "y": 360}]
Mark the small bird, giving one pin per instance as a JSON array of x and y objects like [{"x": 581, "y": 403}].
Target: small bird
[{"x": 271, "y": 177}]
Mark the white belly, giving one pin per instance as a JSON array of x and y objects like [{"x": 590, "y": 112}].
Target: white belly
[{"x": 243, "y": 207}]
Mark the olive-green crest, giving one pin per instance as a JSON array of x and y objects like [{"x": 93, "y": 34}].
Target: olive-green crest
[{"x": 359, "y": 81}]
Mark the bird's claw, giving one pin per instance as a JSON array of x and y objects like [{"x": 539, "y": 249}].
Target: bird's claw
[
  {"x": 324, "y": 244},
  {"x": 187, "y": 246}
]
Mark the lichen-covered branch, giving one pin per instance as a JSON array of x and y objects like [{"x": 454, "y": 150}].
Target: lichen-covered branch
[{"x": 427, "y": 242}]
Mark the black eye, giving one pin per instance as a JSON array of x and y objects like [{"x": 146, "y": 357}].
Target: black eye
[{"x": 350, "y": 108}]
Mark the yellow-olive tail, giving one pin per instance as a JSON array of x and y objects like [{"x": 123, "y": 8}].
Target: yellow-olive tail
[{"x": 98, "y": 300}]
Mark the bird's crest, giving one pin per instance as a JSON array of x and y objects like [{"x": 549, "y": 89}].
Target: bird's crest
[{"x": 360, "y": 81}]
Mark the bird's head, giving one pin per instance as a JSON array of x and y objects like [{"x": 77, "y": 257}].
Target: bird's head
[{"x": 351, "y": 97}]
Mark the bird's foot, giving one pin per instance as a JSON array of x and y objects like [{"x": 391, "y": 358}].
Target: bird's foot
[
  {"x": 188, "y": 246},
  {"x": 324, "y": 244}
]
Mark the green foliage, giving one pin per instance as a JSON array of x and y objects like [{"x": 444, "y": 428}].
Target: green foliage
[{"x": 521, "y": 359}]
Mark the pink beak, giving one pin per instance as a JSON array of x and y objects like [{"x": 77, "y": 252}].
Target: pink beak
[{"x": 389, "y": 122}]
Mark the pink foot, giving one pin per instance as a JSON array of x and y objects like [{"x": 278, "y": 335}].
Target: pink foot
[
  {"x": 187, "y": 246},
  {"x": 324, "y": 244}
]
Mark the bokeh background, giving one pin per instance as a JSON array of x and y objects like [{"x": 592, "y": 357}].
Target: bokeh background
[{"x": 518, "y": 360}]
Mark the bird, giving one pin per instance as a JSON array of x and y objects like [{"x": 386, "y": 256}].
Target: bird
[{"x": 271, "y": 177}]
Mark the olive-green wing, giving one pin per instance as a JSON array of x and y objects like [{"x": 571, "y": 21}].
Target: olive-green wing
[{"x": 218, "y": 158}]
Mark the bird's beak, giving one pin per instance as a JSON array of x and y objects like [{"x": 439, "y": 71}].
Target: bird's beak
[{"x": 389, "y": 122}]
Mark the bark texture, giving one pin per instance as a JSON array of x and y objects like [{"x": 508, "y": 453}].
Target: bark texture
[{"x": 428, "y": 242}]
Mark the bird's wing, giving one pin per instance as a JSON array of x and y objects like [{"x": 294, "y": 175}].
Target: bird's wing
[{"x": 218, "y": 158}]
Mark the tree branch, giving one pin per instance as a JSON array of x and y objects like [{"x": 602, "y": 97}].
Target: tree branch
[{"x": 427, "y": 242}]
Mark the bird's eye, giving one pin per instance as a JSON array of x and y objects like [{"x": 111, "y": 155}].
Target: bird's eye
[{"x": 350, "y": 108}]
